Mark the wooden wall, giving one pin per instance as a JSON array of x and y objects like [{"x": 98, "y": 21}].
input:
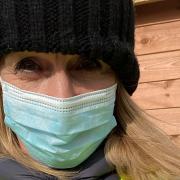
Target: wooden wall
[
  {"x": 139, "y": 2},
  {"x": 158, "y": 52}
]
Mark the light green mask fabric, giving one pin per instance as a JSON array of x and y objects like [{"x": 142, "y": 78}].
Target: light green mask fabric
[{"x": 59, "y": 132}]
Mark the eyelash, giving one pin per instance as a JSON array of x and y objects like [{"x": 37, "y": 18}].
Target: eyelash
[{"x": 27, "y": 64}]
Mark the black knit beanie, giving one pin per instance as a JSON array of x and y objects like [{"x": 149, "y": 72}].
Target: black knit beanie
[{"x": 96, "y": 29}]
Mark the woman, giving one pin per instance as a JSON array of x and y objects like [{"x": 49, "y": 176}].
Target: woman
[{"x": 67, "y": 71}]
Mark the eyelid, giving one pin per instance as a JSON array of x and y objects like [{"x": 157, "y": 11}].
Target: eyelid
[{"x": 24, "y": 60}]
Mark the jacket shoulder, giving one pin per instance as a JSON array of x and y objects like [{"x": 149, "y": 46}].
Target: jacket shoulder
[{"x": 12, "y": 170}]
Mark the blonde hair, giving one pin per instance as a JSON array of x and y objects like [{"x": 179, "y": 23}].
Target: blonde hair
[{"x": 137, "y": 148}]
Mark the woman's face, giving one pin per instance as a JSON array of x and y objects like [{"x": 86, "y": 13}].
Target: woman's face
[{"x": 55, "y": 75}]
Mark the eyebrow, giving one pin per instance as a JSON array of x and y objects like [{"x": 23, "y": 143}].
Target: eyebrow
[
  {"x": 24, "y": 54},
  {"x": 74, "y": 62}
]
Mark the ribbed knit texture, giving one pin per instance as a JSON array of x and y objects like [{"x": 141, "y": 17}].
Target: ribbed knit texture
[{"x": 96, "y": 29}]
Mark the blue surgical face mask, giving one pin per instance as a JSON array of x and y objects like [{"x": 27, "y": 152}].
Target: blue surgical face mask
[{"x": 60, "y": 133}]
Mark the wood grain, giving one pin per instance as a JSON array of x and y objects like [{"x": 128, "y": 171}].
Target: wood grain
[
  {"x": 155, "y": 13},
  {"x": 167, "y": 119},
  {"x": 158, "y": 67},
  {"x": 161, "y": 94},
  {"x": 176, "y": 140},
  {"x": 158, "y": 38},
  {"x": 158, "y": 51}
]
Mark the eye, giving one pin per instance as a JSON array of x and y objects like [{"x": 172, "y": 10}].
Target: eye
[
  {"x": 28, "y": 65},
  {"x": 86, "y": 64}
]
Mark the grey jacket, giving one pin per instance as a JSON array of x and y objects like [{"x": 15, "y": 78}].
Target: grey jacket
[{"x": 94, "y": 168}]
